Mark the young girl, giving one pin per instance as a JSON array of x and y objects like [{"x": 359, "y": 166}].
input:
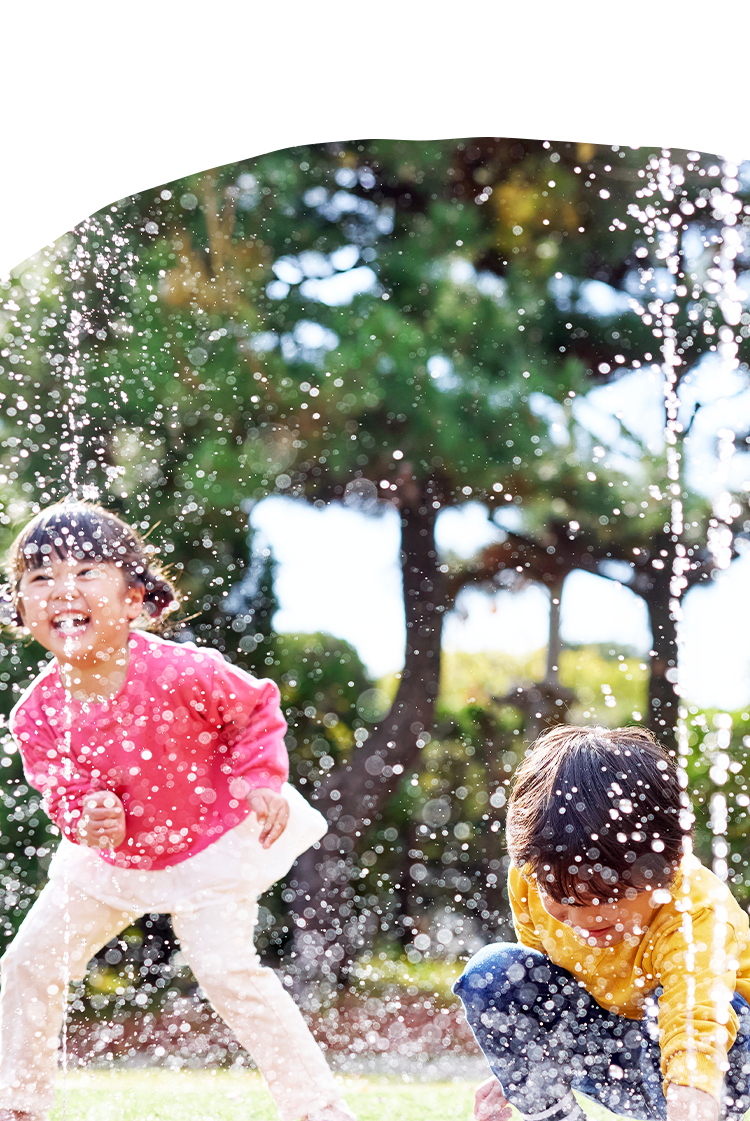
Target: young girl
[{"x": 164, "y": 768}]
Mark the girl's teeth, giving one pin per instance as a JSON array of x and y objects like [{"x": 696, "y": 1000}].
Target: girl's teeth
[{"x": 70, "y": 623}]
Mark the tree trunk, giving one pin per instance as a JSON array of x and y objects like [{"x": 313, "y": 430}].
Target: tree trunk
[
  {"x": 663, "y": 699},
  {"x": 327, "y": 929}
]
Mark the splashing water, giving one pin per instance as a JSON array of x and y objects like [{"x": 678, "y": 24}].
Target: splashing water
[
  {"x": 665, "y": 177},
  {"x": 669, "y": 177},
  {"x": 68, "y": 727},
  {"x": 726, "y": 509},
  {"x": 103, "y": 255},
  {"x": 81, "y": 326},
  {"x": 723, "y": 283},
  {"x": 719, "y": 773},
  {"x": 668, "y": 225},
  {"x": 73, "y": 372}
]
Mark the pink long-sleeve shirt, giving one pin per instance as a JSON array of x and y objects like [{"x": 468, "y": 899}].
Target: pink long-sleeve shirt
[{"x": 182, "y": 744}]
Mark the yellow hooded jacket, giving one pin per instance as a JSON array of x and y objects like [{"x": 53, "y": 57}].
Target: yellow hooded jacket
[{"x": 696, "y": 947}]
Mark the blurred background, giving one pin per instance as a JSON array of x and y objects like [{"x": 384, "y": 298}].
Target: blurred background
[{"x": 448, "y": 438}]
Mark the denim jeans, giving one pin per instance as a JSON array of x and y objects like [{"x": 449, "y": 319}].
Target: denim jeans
[{"x": 543, "y": 1035}]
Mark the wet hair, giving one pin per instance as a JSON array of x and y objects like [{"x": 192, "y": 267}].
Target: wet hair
[
  {"x": 86, "y": 531},
  {"x": 594, "y": 812}
]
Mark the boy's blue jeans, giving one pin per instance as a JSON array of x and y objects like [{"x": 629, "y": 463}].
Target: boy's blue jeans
[{"x": 544, "y": 1035}]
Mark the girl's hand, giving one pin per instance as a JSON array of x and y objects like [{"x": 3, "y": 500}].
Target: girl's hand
[
  {"x": 489, "y": 1103},
  {"x": 102, "y": 823},
  {"x": 272, "y": 812}
]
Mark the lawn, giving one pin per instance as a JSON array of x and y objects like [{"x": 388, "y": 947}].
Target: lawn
[{"x": 163, "y": 1095}]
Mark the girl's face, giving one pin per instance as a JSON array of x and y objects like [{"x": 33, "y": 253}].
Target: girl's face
[
  {"x": 79, "y": 610},
  {"x": 604, "y": 922}
]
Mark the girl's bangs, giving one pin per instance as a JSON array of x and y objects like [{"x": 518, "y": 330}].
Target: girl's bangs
[{"x": 79, "y": 534}]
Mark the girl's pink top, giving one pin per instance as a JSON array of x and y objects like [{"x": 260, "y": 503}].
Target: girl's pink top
[{"x": 182, "y": 744}]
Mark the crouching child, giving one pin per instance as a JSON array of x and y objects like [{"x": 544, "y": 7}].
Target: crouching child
[{"x": 630, "y": 980}]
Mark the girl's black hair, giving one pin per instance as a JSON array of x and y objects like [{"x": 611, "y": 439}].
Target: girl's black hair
[
  {"x": 86, "y": 531},
  {"x": 595, "y": 811}
]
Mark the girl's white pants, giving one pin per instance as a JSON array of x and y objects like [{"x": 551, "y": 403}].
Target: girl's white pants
[{"x": 212, "y": 898}]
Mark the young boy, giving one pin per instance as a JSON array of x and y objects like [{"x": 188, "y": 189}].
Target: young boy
[{"x": 631, "y": 979}]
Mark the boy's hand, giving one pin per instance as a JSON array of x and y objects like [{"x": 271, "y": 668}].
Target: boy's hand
[
  {"x": 686, "y": 1103},
  {"x": 272, "y": 812},
  {"x": 102, "y": 823},
  {"x": 489, "y": 1103}
]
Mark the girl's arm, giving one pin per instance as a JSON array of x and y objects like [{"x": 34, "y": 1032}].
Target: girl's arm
[
  {"x": 272, "y": 812},
  {"x": 102, "y": 822},
  {"x": 247, "y": 715},
  {"x": 51, "y": 769}
]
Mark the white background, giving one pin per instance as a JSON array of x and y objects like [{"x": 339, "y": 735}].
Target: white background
[{"x": 102, "y": 100}]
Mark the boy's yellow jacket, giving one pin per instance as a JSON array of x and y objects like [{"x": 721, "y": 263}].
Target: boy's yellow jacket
[{"x": 696, "y": 947}]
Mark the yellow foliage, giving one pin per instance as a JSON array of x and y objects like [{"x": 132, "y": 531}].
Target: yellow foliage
[
  {"x": 216, "y": 281},
  {"x": 477, "y": 678},
  {"x": 342, "y": 736},
  {"x": 429, "y": 976},
  {"x": 527, "y": 212},
  {"x": 103, "y": 979},
  {"x": 596, "y": 678}
]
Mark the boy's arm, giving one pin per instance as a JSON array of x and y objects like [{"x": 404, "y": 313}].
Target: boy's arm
[
  {"x": 685, "y": 1103},
  {"x": 697, "y": 1025}
]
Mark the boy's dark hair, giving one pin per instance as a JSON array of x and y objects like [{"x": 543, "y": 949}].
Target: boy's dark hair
[
  {"x": 595, "y": 811},
  {"x": 86, "y": 531}
]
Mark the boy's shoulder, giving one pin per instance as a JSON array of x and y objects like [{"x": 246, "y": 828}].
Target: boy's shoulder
[
  {"x": 520, "y": 880},
  {"x": 698, "y": 888},
  {"x": 695, "y": 889}
]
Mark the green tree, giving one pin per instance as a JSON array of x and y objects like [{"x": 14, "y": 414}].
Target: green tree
[
  {"x": 672, "y": 298},
  {"x": 252, "y": 606},
  {"x": 27, "y": 838},
  {"x": 367, "y": 322}
]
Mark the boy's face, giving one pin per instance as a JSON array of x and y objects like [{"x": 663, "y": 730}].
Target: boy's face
[
  {"x": 79, "y": 610},
  {"x": 602, "y": 921}
]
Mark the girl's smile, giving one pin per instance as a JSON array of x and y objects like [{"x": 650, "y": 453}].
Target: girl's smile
[{"x": 81, "y": 611}]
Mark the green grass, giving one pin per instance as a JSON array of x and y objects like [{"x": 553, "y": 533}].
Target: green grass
[
  {"x": 162, "y": 1095},
  {"x": 429, "y": 976}
]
